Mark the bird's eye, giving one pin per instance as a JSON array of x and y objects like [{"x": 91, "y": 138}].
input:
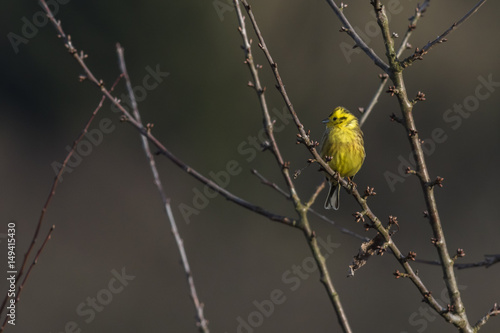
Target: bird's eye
[{"x": 334, "y": 118}]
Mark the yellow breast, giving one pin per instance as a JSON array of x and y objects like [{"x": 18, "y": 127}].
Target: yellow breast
[{"x": 345, "y": 147}]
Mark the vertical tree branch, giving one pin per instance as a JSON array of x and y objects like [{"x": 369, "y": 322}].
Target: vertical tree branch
[
  {"x": 201, "y": 322},
  {"x": 304, "y": 137},
  {"x": 449, "y": 315},
  {"x": 273, "y": 146},
  {"x": 406, "y": 106},
  {"x": 454, "y": 314},
  {"x": 260, "y": 90},
  {"x": 404, "y": 45},
  {"x": 79, "y": 57}
]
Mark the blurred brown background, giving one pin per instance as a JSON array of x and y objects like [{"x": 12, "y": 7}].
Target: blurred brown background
[{"x": 108, "y": 214}]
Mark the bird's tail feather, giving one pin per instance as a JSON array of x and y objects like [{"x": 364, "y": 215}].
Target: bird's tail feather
[{"x": 333, "y": 198}]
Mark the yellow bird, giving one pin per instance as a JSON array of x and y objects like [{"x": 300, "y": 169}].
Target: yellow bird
[{"x": 342, "y": 148}]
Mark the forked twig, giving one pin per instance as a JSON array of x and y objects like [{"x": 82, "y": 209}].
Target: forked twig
[
  {"x": 28, "y": 273},
  {"x": 404, "y": 45},
  {"x": 454, "y": 316},
  {"x": 366, "y": 211},
  {"x": 495, "y": 311},
  {"x": 456, "y": 313},
  {"x": 55, "y": 183},
  {"x": 419, "y": 53},
  {"x": 347, "y": 27},
  {"x": 274, "y": 186},
  {"x": 302, "y": 210},
  {"x": 79, "y": 57}
]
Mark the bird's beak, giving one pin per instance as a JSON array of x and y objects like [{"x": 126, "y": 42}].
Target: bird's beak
[{"x": 325, "y": 121}]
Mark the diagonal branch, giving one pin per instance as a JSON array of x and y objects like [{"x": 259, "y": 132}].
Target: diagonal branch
[
  {"x": 315, "y": 194},
  {"x": 419, "y": 53},
  {"x": 79, "y": 57},
  {"x": 302, "y": 210},
  {"x": 376, "y": 223},
  {"x": 52, "y": 192},
  {"x": 346, "y": 231},
  {"x": 457, "y": 314},
  {"x": 268, "y": 124},
  {"x": 304, "y": 225},
  {"x": 495, "y": 311},
  {"x": 28, "y": 272},
  {"x": 404, "y": 45},
  {"x": 347, "y": 27},
  {"x": 201, "y": 321}
]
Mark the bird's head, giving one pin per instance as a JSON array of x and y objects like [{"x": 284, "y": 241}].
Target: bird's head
[{"x": 341, "y": 117}]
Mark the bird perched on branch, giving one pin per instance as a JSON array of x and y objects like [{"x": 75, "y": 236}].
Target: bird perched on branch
[{"x": 343, "y": 150}]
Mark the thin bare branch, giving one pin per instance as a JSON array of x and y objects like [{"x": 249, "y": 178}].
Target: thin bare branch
[
  {"x": 366, "y": 211},
  {"x": 368, "y": 110},
  {"x": 347, "y": 27},
  {"x": 201, "y": 321},
  {"x": 495, "y": 311},
  {"x": 79, "y": 57},
  {"x": 303, "y": 135},
  {"x": 28, "y": 273},
  {"x": 310, "y": 144},
  {"x": 315, "y": 194},
  {"x": 271, "y": 184},
  {"x": 35, "y": 261},
  {"x": 301, "y": 209},
  {"x": 265, "y": 181},
  {"x": 268, "y": 124},
  {"x": 419, "y": 11},
  {"x": 456, "y": 314},
  {"x": 52, "y": 192},
  {"x": 419, "y": 53},
  {"x": 489, "y": 260}
]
